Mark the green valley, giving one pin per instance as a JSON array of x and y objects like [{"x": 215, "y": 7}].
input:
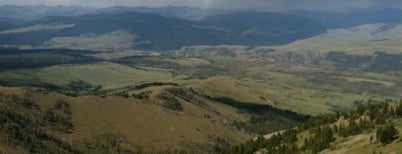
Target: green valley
[{"x": 191, "y": 80}]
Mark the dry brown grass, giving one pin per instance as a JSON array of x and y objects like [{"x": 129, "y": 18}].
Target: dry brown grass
[{"x": 137, "y": 123}]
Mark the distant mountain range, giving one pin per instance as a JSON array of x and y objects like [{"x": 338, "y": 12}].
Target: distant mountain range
[
  {"x": 188, "y": 13},
  {"x": 351, "y": 18},
  {"x": 32, "y": 12},
  {"x": 258, "y": 28},
  {"x": 165, "y": 28},
  {"x": 6, "y": 23}
]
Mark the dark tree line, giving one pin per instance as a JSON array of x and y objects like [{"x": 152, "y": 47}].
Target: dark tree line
[
  {"x": 79, "y": 87},
  {"x": 386, "y": 134},
  {"x": 169, "y": 101}
]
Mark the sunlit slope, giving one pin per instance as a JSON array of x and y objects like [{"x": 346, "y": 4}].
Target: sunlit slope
[
  {"x": 360, "y": 144},
  {"x": 109, "y": 75},
  {"x": 362, "y": 39}
]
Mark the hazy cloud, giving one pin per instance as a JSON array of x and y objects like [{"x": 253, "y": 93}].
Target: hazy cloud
[
  {"x": 304, "y": 4},
  {"x": 227, "y": 4}
]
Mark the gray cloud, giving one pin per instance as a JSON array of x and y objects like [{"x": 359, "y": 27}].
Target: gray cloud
[
  {"x": 305, "y": 4},
  {"x": 227, "y": 4}
]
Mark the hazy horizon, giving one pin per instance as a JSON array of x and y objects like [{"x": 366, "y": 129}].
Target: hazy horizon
[{"x": 273, "y": 5}]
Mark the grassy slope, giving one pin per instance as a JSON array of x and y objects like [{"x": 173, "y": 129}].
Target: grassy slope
[
  {"x": 114, "y": 41},
  {"x": 308, "y": 89},
  {"x": 109, "y": 75},
  {"x": 360, "y": 144},
  {"x": 7, "y": 149},
  {"x": 149, "y": 126},
  {"x": 361, "y": 39},
  {"x": 37, "y": 28},
  {"x": 226, "y": 111},
  {"x": 295, "y": 87},
  {"x": 138, "y": 124}
]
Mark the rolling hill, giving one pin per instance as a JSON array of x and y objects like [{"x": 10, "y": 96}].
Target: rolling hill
[
  {"x": 360, "y": 40},
  {"x": 153, "y": 118},
  {"x": 155, "y": 32},
  {"x": 92, "y": 82}
]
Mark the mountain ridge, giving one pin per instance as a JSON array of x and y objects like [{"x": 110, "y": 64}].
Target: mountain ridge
[{"x": 155, "y": 32}]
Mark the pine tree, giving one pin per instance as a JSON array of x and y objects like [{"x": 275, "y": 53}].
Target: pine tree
[
  {"x": 399, "y": 109},
  {"x": 386, "y": 134}
]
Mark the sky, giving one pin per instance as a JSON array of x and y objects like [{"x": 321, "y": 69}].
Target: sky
[{"x": 225, "y": 4}]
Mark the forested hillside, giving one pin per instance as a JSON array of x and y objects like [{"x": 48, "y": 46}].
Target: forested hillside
[{"x": 326, "y": 133}]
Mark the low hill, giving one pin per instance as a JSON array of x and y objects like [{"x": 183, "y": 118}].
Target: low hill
[
  {"x": 154, "y": 117},
  {"x": 93, "y": 123}
]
